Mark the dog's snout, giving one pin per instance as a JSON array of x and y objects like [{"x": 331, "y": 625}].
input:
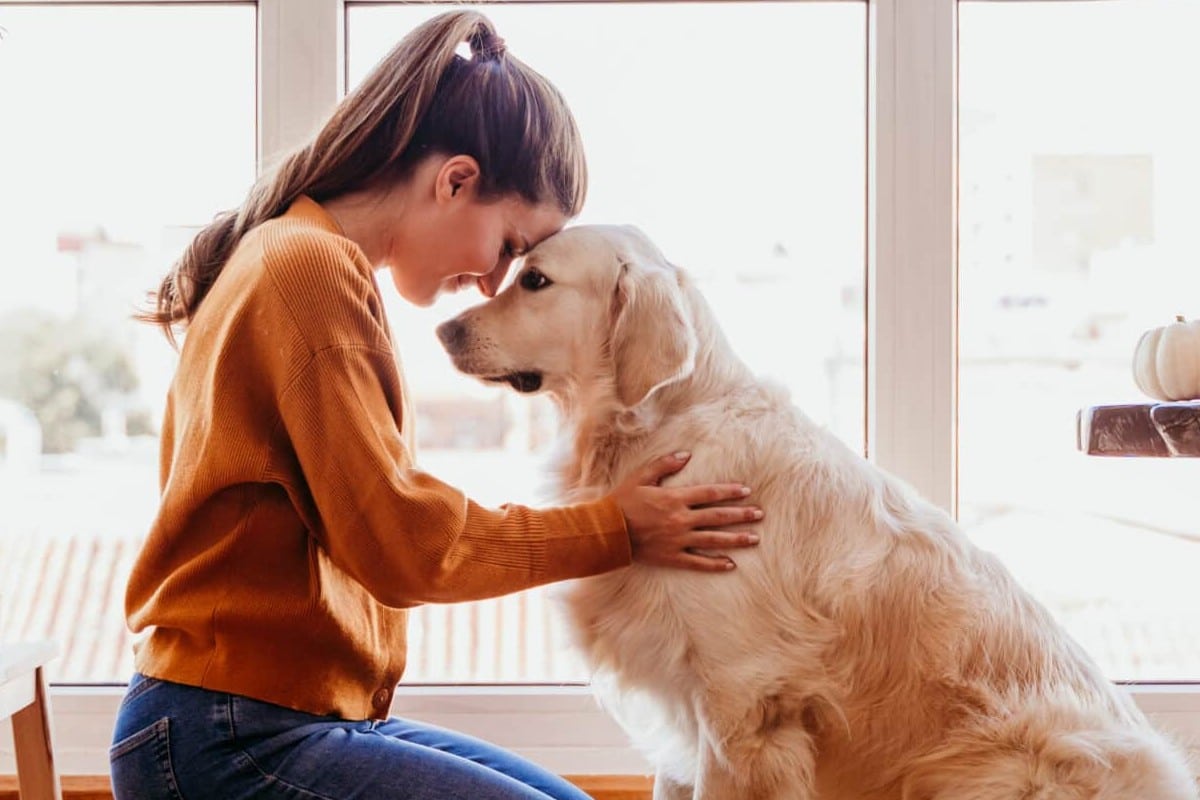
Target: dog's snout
[{"x": 453, "y": 335}]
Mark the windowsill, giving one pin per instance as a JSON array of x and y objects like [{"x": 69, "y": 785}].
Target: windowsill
[{"x": 561, "y": 727}]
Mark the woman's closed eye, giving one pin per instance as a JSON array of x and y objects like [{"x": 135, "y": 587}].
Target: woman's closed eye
[{"x": 533, "y": 280}]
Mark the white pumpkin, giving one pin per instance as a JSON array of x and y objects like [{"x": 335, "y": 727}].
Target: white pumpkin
[{"x": 1166, "y": 361}]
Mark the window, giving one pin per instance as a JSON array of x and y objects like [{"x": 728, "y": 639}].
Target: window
[
  {"x": 122, "y": 132},
  {"x": 1078, "y": 210},
  {"x": 737, "y": 142},
  {"x": 1073, "y": 186}
]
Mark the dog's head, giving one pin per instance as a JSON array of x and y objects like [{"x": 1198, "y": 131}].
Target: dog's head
[{"x": 592, "y": 306}]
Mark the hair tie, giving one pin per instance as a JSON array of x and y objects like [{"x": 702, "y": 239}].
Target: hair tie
[{"x": 489, "y": 47}]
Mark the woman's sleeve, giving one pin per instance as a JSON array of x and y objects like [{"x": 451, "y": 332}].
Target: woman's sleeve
[{"x": 406, "y": 536}]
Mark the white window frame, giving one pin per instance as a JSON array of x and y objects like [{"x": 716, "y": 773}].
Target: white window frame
[{"x": 911, "y": 262}]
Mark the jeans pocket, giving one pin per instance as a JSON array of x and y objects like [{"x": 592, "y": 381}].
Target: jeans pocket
[{"x": 140, "y": 765}]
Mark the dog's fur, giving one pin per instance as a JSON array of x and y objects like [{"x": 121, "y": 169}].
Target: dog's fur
[{"x": 865, "y": 649}]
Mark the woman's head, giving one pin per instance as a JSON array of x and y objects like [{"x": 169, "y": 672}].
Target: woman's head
[
  {"x": 423, "y": 101},
  {"x": 439, "y": 230}
]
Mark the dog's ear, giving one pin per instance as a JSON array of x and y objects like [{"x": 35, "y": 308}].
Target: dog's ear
[{"x": 653, "y": 342}]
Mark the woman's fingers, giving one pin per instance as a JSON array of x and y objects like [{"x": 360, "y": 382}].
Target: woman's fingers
[
  {"x": 702, "y": 551},
  {"x": 709, "y": 493},
  {"x": 702, "y": 563},
  {"x": 674, "y": 527},
  {"x": 699, "y": 495},
  {"x": 720, "y": 540},
  {"x": 720, "y": 516}
]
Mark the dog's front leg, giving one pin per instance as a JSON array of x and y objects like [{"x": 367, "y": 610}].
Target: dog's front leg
[
  {"x": 746, "y": 754},
  {"x": 668, "y": 789},
  {"x": 714, "y": 781},
  {"x": 719, "y": 781}
]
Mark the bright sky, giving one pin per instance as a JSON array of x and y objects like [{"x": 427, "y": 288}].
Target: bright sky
[
  {"x": 705, "y": 134},
  {"x": 738, "y": 127},
  {"x": 127, "y": 117},
  {"x": 709, "y": 124}
]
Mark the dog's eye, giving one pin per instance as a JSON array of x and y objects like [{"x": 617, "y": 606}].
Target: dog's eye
[{"x": 533, "y": 280}]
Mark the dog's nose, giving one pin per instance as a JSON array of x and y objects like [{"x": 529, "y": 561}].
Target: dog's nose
[{"x": 453, "y": 335}]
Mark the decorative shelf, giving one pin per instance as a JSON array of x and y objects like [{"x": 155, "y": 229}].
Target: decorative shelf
[{"x": 1154, "y": 430}]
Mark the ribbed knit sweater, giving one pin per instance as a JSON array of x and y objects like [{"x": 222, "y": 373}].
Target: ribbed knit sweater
[{"x": 294, "y": 529}]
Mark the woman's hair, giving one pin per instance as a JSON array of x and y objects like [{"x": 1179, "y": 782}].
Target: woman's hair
[{"x": 422, "y": 99}]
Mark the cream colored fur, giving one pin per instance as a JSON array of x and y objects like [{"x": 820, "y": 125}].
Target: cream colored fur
[{"x": 865, "y": 649}]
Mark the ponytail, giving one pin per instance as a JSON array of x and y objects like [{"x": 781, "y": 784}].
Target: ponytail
[{"x": 421, "y": 99}]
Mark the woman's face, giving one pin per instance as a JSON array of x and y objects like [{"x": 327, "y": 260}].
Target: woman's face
[{"x": 450, "y": 238}]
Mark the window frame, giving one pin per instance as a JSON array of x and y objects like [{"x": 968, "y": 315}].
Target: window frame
[{"x": 912, "y": 393}]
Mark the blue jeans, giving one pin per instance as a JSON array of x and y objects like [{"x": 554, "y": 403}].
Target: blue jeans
[{"x": 176, "y": 741}]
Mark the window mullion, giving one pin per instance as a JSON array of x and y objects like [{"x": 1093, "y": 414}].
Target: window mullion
[
  {"x": 301, "y": 71},
  {"x": 912, "y": 243}
]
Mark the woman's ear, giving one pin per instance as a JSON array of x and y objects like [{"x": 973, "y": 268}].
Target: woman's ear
[{"x": 457, "y": 177}]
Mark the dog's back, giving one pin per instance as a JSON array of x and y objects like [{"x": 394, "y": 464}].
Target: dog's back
[{"x": 866, "y": 648}]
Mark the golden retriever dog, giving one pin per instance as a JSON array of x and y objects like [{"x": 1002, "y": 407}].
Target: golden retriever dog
[{"x": 865, "y": 649}]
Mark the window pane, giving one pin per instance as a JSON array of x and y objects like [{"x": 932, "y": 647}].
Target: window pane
[
  {"x": 1079, "y": 166},
  {"x": 734, "y": 135},
  {"x": 123, "y": 129}
]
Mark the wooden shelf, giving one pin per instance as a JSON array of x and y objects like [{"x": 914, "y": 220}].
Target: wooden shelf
[{"x": 1148, "y": 430}]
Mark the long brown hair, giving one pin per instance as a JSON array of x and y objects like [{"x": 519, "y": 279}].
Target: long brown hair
[{"x": 422, "y": 98}]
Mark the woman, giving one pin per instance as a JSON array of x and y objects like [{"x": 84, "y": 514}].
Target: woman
[{"x": 294, "y": 529}]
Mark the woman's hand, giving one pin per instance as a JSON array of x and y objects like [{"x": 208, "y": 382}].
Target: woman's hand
[{"x": 669, "y": 526}]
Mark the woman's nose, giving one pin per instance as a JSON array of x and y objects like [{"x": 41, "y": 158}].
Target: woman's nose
[{"x": 489, "y": 284}]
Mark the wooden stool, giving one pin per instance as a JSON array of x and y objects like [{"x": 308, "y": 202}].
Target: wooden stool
[{"x": 23, "y": 697}]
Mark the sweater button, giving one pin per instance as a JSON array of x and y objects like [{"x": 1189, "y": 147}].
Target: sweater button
[{"x": 381, "y": 698}]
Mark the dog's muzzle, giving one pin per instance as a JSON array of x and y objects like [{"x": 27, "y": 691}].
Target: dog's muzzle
[{"x": 453, "y": 335}]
